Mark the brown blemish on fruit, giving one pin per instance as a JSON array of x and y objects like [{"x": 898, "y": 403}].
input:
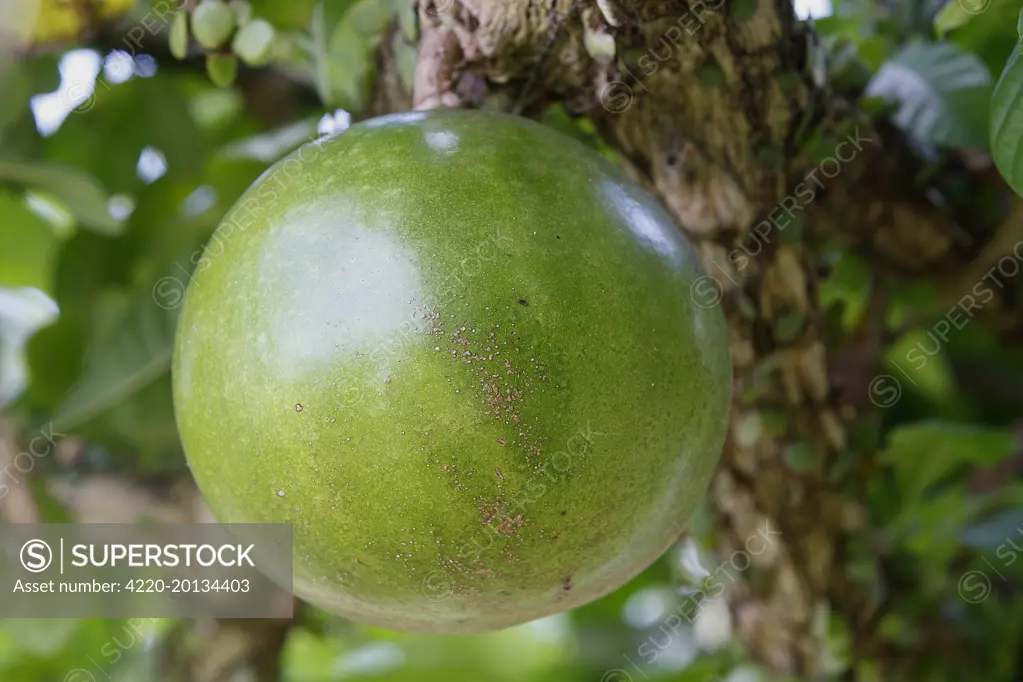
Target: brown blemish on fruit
[
  {"x": 509, "y": 526},
  {"x": 495, "y": 510},
  {"x": 501, "y": 388}
]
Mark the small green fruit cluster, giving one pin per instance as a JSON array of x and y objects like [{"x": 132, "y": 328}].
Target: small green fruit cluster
[{"x": 214, "y": 24}]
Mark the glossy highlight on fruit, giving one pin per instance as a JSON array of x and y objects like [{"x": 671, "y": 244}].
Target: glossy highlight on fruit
[{"x": 457, "y": 351}]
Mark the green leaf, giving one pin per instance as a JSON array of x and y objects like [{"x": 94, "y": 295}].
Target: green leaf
[
  {"x": 989, "y": 34},
  {"x": 130, "y": 353},
  {"x": 160, "y": 239},
  {"x": 19, "y": 80},
  {"x": 1007, "y": 122},
  {"x": 920, "y": 354},
  {"x": 82, "y": 193},
  {"x": 517, "y": 653},
  {"x": 370, "y": 17},
  {"x": 924, "y": 453},
  {"x": 952, "y": 16},
  {"x": 42, "y": 636},
  {"x": 975, "y": 7},
  {"x": 846, "y": 286},
  {"x": 55, "y": 354},
  {"x": 344, "y": 36},
  {"x": 351, "y": 68},
  {"x": 407, "y": 20},
  {"x": 319, "y": 59},
  {"x": 348, "y": 63},
  {"x": 942, "y": 92},
  {"x": 81, "y": 649},
  {"x": 271, "y": 145},
  {"x": 140, "y": 435},
  {"x": 291, "y": 15},
  {"x": 127, "y": 118},
  {"x": 27, "y": 244}
]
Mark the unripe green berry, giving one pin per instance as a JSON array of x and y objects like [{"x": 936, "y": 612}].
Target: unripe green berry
[
  {"x": 242, "y": 11},
  {"x": 254, "y": 42},
  {"x": 222, "y": 69},
  {"x": 178, "y": 39},
  {"x": 212, "y": 23}
]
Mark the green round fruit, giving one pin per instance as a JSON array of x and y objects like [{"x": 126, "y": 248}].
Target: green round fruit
[
  {"x": 242, "y": 10},
  {"x": 212, "y": 23},
  {"x": 222, "y": 69},
  {"x": 458, "y": 352},
  {"x": 254, "y": 42},
  {"x": 177, "y": 40}
]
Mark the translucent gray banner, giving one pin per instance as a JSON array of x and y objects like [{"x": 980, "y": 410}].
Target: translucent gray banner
[{"x": 63, "y": 570}]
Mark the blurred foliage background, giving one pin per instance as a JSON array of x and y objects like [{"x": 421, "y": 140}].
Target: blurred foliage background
[{"x": 126, "y": 132}]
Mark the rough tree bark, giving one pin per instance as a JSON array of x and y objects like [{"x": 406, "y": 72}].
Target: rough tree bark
[{"x": 721, "y": 108}]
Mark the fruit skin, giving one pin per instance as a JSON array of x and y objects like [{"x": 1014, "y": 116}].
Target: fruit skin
[{"x": 336, "y": 367}]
